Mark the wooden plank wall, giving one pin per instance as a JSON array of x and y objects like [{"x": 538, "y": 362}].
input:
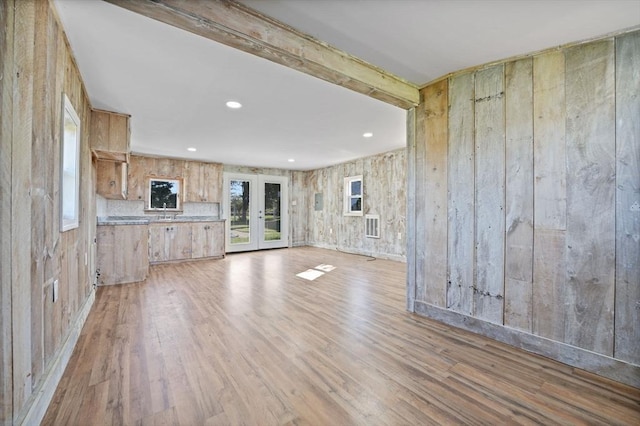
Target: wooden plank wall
[
  {"x": 6, "y": 131},
  {"x": 202, "y": 181},
  {"x": 542, "y": 183},
  {"x": 627, "y": 301},
  {"x": 519, "y": 194},
  {"x": 38, "y": 68},
  {"x": 435, "y": 164},
  {"x": 384, "y": 182},
  {"x": 300, "y": 201},
  {"x": 590, "y": 135}
]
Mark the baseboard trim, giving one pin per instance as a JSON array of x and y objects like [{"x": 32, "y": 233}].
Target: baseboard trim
[
  {"x": 41, "y": 397},
  {"x": 599, "y": 364},
  {"x": 394, "y": 257}
]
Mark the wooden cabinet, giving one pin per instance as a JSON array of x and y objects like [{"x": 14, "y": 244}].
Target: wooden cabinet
[
  {"x": 207, "y": 239},
  {"x": 112, "y": 179},
  {"x": 122, "y": 253},
  {"x": 110, "y": 135},
  {"x": 169, "y": 241},
  {"x": 172, "y": 241},
  {"x": 202, "y": 182}
]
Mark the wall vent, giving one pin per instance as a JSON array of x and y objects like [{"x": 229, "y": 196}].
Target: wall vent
[{"x": 372, "y": 226}]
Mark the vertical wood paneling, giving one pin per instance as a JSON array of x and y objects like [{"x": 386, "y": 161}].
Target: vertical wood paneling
[
  {"x": 519, "y": 194},
  {"x": 489, "y": 193},
  {"x": 202, "y": 182},
  {"x": 6, "y": 139},
  {"x": 435, "y": 216},
  {"x": 411, "y": 208},
  {"x": 25, "y": 22},
  {"x": 550, "y": 193},
  {"x": 37, "y": 68},
  {"x": 420, "y": 199},
  {"x": 561, "y": 150},
  {"x": 627, "y": 304},
  {"x": 384, "y": 181},
  {"x": 299, "y": 213},
  {"x": 590, "y": 92},
  {"x": 211, "y": 182},
  {"x": 39, "y": 159},
  {"x": 193, "y": 181},
  {"x": 461, "y": 194}
]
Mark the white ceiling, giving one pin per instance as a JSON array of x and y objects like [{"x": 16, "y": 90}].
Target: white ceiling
[{"x": 175, "y": 84}]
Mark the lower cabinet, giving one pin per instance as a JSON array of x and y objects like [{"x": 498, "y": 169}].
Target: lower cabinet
[
  {"x": 122, "y": 253},
  {"x": 180, "y": 241},
  {"x": 207, "y": 239}
]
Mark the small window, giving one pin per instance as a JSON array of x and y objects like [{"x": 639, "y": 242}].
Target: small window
[
  {"x": 353, "y": 196},
  {"x": 69, "y": 167},
  {"x": 164, "y": 194}
]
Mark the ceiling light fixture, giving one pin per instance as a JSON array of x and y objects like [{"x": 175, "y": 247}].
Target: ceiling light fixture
[
  {"x": 291, "y": 160},
  {"x": 367, "y": 135},
  {"x": 234, "y": 104},
  {"x": 192, "y": 149}
]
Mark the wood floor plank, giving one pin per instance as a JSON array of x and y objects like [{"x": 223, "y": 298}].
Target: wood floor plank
[{"x": 243, "y": 341}]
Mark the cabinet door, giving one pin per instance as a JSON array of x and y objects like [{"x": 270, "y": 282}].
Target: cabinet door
[
  {"x": 217, "y": 239},
  {"x": 112, "y": 179},
  {"x": 200, "y": 239},
  {"x": 110, "y": 135},
  {"x": 178, "y": 241},
  {"x": 122, "y": 253},
  {"x": 207, "y": 239},
  {"x": 157, "y": 243},
  {"x": 212, "y": 182}
]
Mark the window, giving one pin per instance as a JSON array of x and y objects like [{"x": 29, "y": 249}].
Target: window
[
  {"x": 164, "y": 194},
  {"x": 69, "y": 167},
  {"x": 353, "y": 196}
]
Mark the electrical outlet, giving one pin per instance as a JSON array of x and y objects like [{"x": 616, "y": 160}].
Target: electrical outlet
[{"x": 55, "y": 291}]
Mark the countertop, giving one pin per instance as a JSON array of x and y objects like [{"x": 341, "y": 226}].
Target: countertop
[{"x": 145, "y": 220}]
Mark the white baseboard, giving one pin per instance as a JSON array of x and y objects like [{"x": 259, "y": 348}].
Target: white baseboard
[{"x": 40, "y": 399}]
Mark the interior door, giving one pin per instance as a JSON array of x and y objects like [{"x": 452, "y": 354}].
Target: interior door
[{"x": 256, "y": 209}]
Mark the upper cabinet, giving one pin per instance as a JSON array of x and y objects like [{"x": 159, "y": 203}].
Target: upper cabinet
[{"x": 110, "y": 135}]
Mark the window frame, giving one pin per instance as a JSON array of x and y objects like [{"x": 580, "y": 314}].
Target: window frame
[
  {"x": 180, "y": 184},
  {"x": 349, "y": 196},
  {"x": 69, "y": 193}
]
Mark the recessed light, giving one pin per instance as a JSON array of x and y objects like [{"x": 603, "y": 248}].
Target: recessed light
[
  {"x": 234, "y": 104},
  {"x": 367, "y": 135},
  {"x": 291, "y": 160},
  {"x": 192, "y": 149}
]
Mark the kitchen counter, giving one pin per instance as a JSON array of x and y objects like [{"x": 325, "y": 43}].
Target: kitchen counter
[{"x": 145, "y": 220}]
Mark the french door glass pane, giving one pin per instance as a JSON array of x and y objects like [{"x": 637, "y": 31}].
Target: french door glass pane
[
  {"x": 272, "y": 209},
  {"x": 240, "y": 217}
]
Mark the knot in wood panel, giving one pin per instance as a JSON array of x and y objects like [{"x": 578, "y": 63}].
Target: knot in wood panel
[{"x": 488, "y": 98}]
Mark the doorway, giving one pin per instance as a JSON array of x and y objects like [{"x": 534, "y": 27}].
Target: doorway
[{"x": 256, "y": 209}]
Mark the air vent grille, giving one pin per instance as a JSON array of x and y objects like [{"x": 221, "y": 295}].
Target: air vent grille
[{"x": 372, "y": 226}]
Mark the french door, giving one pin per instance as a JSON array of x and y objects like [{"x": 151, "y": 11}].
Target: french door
[{"x": 256, "y": 210}]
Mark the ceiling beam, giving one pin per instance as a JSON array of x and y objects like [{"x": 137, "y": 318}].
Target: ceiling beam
[{"x": 238, "y": 26}]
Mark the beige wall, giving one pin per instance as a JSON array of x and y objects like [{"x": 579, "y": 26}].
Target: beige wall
[
  {"x": 526, "y": 174},
  {"x": 37, "y": 68}
]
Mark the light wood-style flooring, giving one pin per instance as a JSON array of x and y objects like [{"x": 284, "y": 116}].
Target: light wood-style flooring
[{"x": 243, "y": 341}]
